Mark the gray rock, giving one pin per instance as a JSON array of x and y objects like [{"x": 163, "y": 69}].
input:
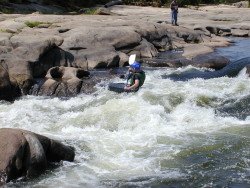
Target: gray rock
[
  {"x": 63, "y": 81},
  {"x": 4, "y": 38},
  {"x": 240, "y": 33},
  {"x": 7, "y": 90},
  {"x": 146, "y": 50},
  {"x": 210, "y": 61},
  {"x": 23, "y": 153},
  {"x": 241, "y": 4}
]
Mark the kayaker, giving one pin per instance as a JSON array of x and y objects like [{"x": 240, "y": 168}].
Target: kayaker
[{"x": 135, "y": 78}]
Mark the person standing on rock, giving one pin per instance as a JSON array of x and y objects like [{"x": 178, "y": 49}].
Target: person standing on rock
[
  {"x": 174, "y": 12},
  {"x": 135, "y": 78}
]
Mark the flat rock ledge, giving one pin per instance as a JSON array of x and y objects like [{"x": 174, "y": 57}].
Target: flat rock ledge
[
  {"x": 34, "y": 44},
  {"x": 27, "y": 154}
]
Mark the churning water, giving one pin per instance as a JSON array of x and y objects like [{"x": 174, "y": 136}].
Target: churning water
[{"x": 168, "y": 134}]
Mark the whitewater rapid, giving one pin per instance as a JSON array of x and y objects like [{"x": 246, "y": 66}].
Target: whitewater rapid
[
  {"x": 167, "y": 133},
  {"x": 131, "y": 138}
]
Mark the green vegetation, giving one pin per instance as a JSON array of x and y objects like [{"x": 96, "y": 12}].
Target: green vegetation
[
  {"x": 71, "y": 5},
  {"x": 3, "y": 31},
  {"x": 181, "y": 2},
  {"x": 6, "y": 10},
  {"x": 90, "y": 11},
  {"x": 32, "y": 24}
]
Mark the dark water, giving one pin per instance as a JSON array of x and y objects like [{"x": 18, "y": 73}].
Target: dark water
[{"x": 239, "y": 49}]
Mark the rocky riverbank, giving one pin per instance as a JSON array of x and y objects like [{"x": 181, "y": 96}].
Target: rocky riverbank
[{"x": 55, "y": 55}]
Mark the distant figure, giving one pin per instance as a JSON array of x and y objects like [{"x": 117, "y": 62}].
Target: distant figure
[
  {"x": 174, "y": 12},
  {"x": 135, "y": 78}
]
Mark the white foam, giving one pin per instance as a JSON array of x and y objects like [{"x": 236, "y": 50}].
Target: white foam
[{"x": 124, "y": 136}]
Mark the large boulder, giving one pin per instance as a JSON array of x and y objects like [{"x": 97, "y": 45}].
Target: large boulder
[
  {"x": 24, "y": 153},
  {"x": 52, "y": 58},
  {"x": 145, "y": 50},
  {"x": 8, "y": 91},
  {"x": 25, "y": 53},
  {"x": 31, "y": 46},
  {"x": 211, "y": 61},
  {"x": 62, "y": 82}
]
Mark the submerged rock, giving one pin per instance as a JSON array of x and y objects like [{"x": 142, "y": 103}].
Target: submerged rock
[
  {"x": 239, "y": 108},
  {"x": 26, "y": 154},
  {"x": 231, "y": 70}
]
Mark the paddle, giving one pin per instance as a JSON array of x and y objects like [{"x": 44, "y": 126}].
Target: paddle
[{"x": 131, "y": 60}]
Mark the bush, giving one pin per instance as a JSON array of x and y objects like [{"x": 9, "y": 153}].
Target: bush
[{"x": 32, "y": 24}]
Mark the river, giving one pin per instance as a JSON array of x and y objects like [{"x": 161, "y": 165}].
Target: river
[{"x": 166, "y": 135}]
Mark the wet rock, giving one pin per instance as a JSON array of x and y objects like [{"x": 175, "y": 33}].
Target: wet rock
[
  {"x": 63, "y": 81},
  {"x": 248, "y": 70},
  {"x": 26, "y": 154},
  {"x": 48, "y": 88},
  {"x": 8, "y": 91},
  {"x": 231, "y": 70},
  {"x": 210, "y": 61},
  {"x": 173, "y": 63}
]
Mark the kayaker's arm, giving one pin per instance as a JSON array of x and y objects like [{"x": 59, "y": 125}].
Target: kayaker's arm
[{"x": 133, "y": 87}]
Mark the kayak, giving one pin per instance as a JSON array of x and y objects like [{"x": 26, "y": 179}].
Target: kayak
[{"x": 117, "y": 87}]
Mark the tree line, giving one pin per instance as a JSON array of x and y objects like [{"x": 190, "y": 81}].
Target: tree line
[{"x": 89, "y": 3}]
